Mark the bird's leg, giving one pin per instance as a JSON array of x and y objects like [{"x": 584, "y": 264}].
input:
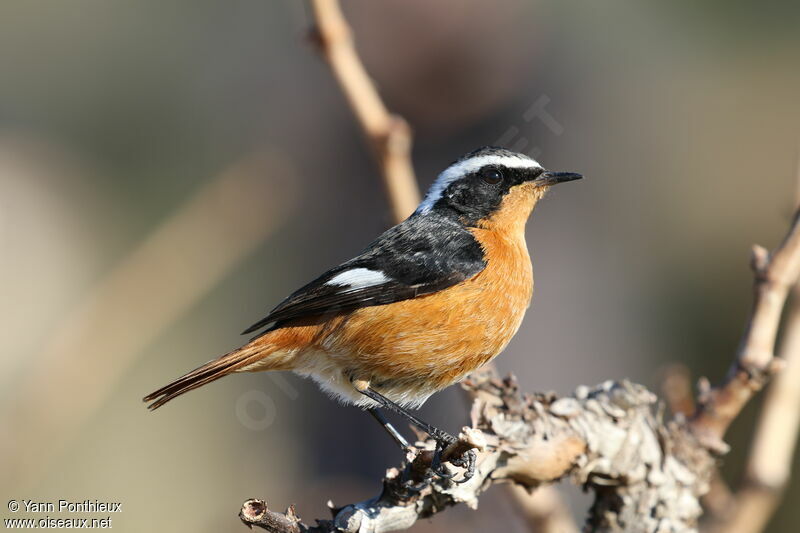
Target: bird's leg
[
  {"x": 442, "y": 438},
  {"x": 390, "y": 429},
  {"x": 407, "y": 489},
  {"x": 437, "y": 434}
]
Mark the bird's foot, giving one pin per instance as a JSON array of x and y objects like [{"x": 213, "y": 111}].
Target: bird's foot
[
  {"x": 466, "y": 459},
  {"x": 411, "y": 487},
  {"x": 437, "y": 466}
]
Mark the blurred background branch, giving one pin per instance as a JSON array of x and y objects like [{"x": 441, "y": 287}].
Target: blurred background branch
[
  {"x": 388, "y": 135},
  {"x": 769, "y": 463},
  {"x": 775, "y": 274},
  {"x": 151, "y": 288}
]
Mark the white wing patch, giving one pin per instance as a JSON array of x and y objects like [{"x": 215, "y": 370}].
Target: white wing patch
[
  {"x": 462, "y": 168},
  {"x": 358, "y": 278}
]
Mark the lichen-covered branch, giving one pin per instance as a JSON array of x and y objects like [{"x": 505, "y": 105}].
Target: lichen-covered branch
[{"x": 646, "y": 475}]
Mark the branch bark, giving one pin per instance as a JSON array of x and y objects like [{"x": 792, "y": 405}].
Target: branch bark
[{"x": 647, "y": 476}]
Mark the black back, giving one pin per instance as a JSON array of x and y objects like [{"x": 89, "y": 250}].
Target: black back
[{"x": 424, "y": 254}]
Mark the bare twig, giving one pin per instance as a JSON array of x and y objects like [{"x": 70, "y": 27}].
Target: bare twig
[
  {"x": 719, "y": 499},
  {"x": 256, "y": 512},
  {"x": 389, "y": 135},
  {"x": 767, "y": 473},
  {"x": 775, "y": 273},
  {"x": 769, "y": 464}
]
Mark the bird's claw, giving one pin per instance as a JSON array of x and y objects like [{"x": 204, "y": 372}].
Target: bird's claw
[
  {"x": 466, "y": 460},
  {"x": 409, "y": 488},
  {"x": 437, "y": 466}
]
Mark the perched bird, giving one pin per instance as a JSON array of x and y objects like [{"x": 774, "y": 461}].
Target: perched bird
[{"x": 429, "y": 301}]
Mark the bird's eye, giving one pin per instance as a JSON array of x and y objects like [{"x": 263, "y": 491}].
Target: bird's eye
[{"x": 492, "y": 176}]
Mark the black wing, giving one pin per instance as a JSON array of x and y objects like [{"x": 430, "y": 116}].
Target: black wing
[{"x": 424, "y": 254}]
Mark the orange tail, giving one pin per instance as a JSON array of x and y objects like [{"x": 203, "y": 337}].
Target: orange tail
[{"x": 256, "y": 352}]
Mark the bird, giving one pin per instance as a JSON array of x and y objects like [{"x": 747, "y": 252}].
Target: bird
[{"x": 426, "y": 303}]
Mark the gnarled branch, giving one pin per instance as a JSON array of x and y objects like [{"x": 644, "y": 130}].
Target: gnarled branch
[{"x": 609, "y": 438}]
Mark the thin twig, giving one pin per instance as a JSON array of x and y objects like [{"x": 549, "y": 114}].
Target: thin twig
[
  {"x": 388, "y": 135},
  {"x": 775, "y": 273},
  {"x": 769, "y": 464},
  {"x": 768, "y": 467},
  {"x": 719, "y": 500}
]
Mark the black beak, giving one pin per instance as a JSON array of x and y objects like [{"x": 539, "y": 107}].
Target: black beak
[{"x": 551, "y": 178}]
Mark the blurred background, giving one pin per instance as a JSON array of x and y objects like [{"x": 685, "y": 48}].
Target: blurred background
[{"x": 169, "y": 171}]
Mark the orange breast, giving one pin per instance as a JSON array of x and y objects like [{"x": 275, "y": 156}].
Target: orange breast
[{"x": 442, "y": 336}]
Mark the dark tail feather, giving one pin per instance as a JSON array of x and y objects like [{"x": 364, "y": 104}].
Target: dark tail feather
[{"x": 211, "y": 371}]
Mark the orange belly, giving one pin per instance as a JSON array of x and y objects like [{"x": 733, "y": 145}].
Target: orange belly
[
  {"x": 410, "y": 349},
  {"x": 430, "y": 342}
]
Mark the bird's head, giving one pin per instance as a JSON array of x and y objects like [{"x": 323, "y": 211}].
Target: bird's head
[{"x": 491, "y": 187}]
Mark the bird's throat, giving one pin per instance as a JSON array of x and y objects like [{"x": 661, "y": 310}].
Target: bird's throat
[{"x": 511, "y": 215}]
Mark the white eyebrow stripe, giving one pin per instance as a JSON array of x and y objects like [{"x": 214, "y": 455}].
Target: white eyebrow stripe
[
  {"x": 358, "y": 278},
  {"x": 462, "y": 168}
]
